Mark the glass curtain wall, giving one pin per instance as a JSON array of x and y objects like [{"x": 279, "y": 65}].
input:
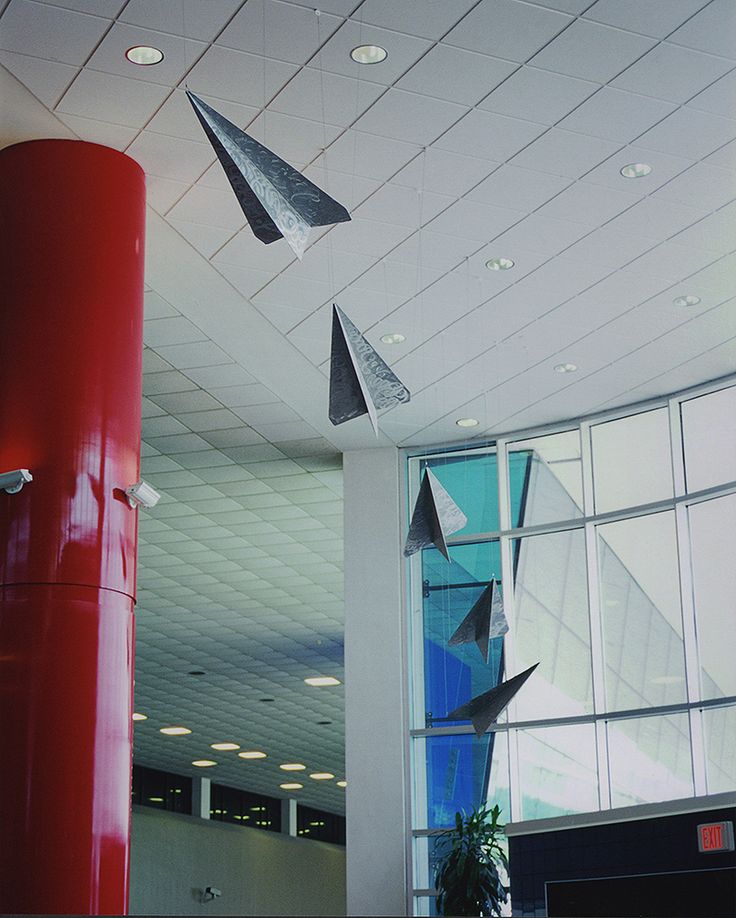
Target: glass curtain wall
[{"x": 612, "y": 542}]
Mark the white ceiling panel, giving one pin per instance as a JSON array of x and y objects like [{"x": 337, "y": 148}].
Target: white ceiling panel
[
  {"x": 402, "y": 205},
  {"x": 367, "y": 155},
  {"x": 188, "y": 18},
  {"x": 50, "y": 32},
  {"x": 565, "y": 153},
  {"x": 163, "y": 193},
  {"x": 170, "y": 157},
  {"x": 323, "y": 96},
  {"x": 170, "y": 331},
  {"x": 664, "y": 167},
  {"x": 109, "y": 135},
  {"x": 107, "y": 8},
  {"x": 443, "y": 172},
  {"x": 405, "y": 116},
  {"x": 297, "y": 140},
  {"x": 474, "y": 220},
  {"x": 702, "y": 185},
  {"x": 654, "y": 19},
  {"x": 210, "y": 207},
  {"x": 712, "y": 30},
  {"x": 47, "y": 80},
  {"x": 544, "y": 235},
  {"x": 616, "y": 115},
  {"x": 437, "y": 16},
  {"x": 456, "y": 75},
  {"x": 205, "y": 239},
  {"x": 238, "y": 77},
  {"x": 693, "y": 134},
  {"x": 538, "y": 95},
  {"x": 176, "y": 116},
  {"x": 587, "y": 203},
  {"x": 673, "y": 73},
  {"x": 179, "y": 54},
  {"x": 522, "y": 189},
  {"x": 245, "y": 251},
  {"x": 107, "y": 97},
  {"x": 719, "y": 98},
  {"x": 489, "y": 136},
  {"x": 188, "y": 356}
]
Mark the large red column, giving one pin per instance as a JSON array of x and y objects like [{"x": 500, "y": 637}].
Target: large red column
[{"x": 70, "y": 392}]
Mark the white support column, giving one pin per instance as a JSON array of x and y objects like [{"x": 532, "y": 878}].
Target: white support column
[
  {"x": 201, "y": 788},
  {"x": 288, "y": 816},
  {"x": 375, "y": 685}
]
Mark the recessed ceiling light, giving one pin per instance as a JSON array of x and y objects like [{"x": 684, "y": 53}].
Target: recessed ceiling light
[
  {"x": 267, "y": 699},
  {"x": 138, "y": 716},
  {"x": 197, "y": 672},
  {"x": 252, "y": 754},
  {"x": 369, "y": 54},
  {"x": 175, "y": 731},
  {"x": 156, "y": 799},
  {"x": 686, "y": 300},
  {"x": 144, "y": 55},
  {"x": 204, "y": 763},
  {"x": 467, "y": 422},
  {"x": 292, "y": 766},
  {"x": 291, "y": 786},
  {"x": 322, "y": 680},
  {"x": 636, "y": 170},
  {"x": 499, "y": 264},
  {"x": 322, "y": 776},
  {"x": 565, "y": 368},
  {"x": 342, "y": 783},
  {"x": 224, "y": 747},
  {"x": 393, "y": 339}
]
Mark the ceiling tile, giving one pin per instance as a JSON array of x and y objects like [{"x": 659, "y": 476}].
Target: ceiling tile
[
  {"x": 538, "y": 95},
  {"x": 474, "y": 220},
  {"x": 162, "y": 193},
  {"x": 190, "y": 401},
  {"x": 179, "y": 443},
  {"x": 229, "y": 374},
  {"x": 565, "y": 153},
  {"x": 715, "y": 233},
  {"x": 655, "y": 218},
  {"x": 323, "y": 96},
  {"x": 245, "y": 251},
  {"x": 455, "y": 75},
  {"x": 592, "y": 52},
  {"x": 246, "y": 280},
  {"x": 171, "y": 157},
  {"x": 171, "y": 331},
  {"x": 242, "y": 396},
  {"x": 403, "y": 205},
  {"x": 47, "y": 80},
  {"x": 50, "y": 32},
  {"x": 160, "y": 427},
  {"x": 489, "y": 136},
  {"x": 564, "y": 6},
  {"x": 443, "y": 172},
  {"x": 589, "y": 204},
  {"x": 206, "y": 239},
  {"x": 338, "y": 7},
  {"x": 616, "y": 115},
  {"x": 189, "y": 18},
  {"x": 544, "y": 235},
  {"x": 283, "y": 33},
  {"x": 239, "y": 77},
  {"x": 367, "y": 155},
  {"x": 107, "y": 8},
  {"x": 654, "y": 19},
  {"x": 672, "y": 73},
  {"x": 210, "y": 207},
  {"x": 112, "y": 98},
  {"x": 719, "y": 98},
  {"x": 409, "y": 116},
  {"x": 369, "y": 237},
  {"x": 176, "y": 116},
  {"x": 507, "y": 29},
  {"x": 186, "y": 356},
  {"x": 109, "y": 135},
  {"x": 296, "y": 140},
  {"x": 713, "y": 30},
  {"x": 179, "y": 54},
  {"x": 522, "y": 189},
  {"x": 233, "y": 436},
  {"x": 203, "y": 421},
  {"x": 160, "y": 383},
  {"x": 436, "y": 18},
  {"x": 689, "y": 132},
  {"x": 702, "y": 186}
]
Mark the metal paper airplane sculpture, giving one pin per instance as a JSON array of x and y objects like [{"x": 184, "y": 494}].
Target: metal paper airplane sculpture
[
  {"x": 483, "y": 710},
  {"x": 360, "y": 381},
  {"x": 486, "y": 620},
  {"x": 276, "y": 199},
  {"x": 436, "y": 516}
]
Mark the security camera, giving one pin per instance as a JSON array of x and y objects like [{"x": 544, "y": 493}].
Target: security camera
[
  {"x": 211, "y": 892},
  {"x": 12, "y": 482},
  {"x": 142, "y": 494}
]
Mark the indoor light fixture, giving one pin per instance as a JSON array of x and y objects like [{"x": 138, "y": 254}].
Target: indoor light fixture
[
  {"x": 467, "y": 422},
  {"x": 224, "y": 747},
  {"x": 175, "y": 731},
  {"x": 291, "y": 786},
  {"x": 12, "y": 482},
  {"x": 322, "y": 776},
  {"x": 292, "y": 766},
  {"x": 369, "y": 54},
  {"x": 144, "y": 55},
  {"x": 342, "y": 783},
  {"x": 393, "y": 339},
  {"x": 252, "y": 754},
  {"x": 138, "y": 716},
  {"x": 565, "y": 368},
  {"x": 636, "y": 170},
  {"x": 499, "y": 264},
  {"x": 322, "y": 680},
  {"x": 686, "y": 300},
  {"x": 142, "y": 494},
  {"x": 203, "y": 763}
]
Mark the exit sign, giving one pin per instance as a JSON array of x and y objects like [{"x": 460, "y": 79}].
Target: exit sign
[{"x": 715, "y": 836}]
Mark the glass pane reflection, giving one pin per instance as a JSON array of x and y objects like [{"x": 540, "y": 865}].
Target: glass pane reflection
[
  {"x": 640, "y": 611},
  {"x": 557, "y": 771},
  {"x": 719, "y": 725},
  {"x": 709, "y": 436},
  {"x": 631, "y": 461},
  {"x": 552, "y": 487},
  {"x": 649, "y": 759},
  {"x": 550, "y": 625}
]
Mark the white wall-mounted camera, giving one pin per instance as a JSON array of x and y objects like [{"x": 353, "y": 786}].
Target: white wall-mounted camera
[
  {"x": 12, "y": 482},
  {"x": 211, "y": 892},
  {"x": 142, "y": 494}
]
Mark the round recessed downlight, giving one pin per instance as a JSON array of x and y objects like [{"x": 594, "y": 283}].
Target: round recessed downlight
[
  {"x": 393, "y": 339},
  {"x": 565, "y": 368},
  {"x": 467, "y": 422},
  {"x": 369, "y": 54},
  {"x": 291, "y": 786},
  {"x": 636, "y": 170},
  {"x": 292, "y": 766},
  {"x": 252, "y": 754},
  {"x": 499, "y": 264},
  {"x": 322, "y": 776},
  {"x": 144, "y": 55},
  {"x": 322, "y": 680},
  {"x": 175, "y": 731},
  {"x": 204, "y": 763},
  {"x": 138, "y": 716},
  {"x": 342, "y": 783},
  {"x": 224, "y": 747},
  {"x": 686, "y": 300}
]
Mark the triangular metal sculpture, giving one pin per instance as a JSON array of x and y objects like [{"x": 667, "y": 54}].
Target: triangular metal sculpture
[
  {"x": 436, "y": 516},
  {"x": 485, "y": 621},
  {"x": 360, "y": 381},
  {"x": 277, "y": 200},
  {"x": 483, "y": 710}
]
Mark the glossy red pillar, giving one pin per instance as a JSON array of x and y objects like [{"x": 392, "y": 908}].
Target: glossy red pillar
[{"x": 70, "y": 389}]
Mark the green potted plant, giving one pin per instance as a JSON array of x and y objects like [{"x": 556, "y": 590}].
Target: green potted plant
[{"x": 467, "y": 876}]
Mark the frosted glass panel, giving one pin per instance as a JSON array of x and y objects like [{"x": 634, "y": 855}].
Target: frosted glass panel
[
  {"x": 649, "y": 760},
  {"x": 631, "y": 461},
  {"x": 557, "y": 768},
  {"x": 552, "y": 488},
  {"x": 709, "y": 434},
  {"x": 719, "y": 725},
  {"x": 713, "y": 540},
  {"x": 641, "y": 613}
]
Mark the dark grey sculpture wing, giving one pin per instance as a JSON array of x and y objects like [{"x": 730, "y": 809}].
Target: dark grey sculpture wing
[
  {"x": 484, "y": 709},
  {"x": 486, "y": 620},
  {"x": 277, "y": 200},
  {"x": 436, "y": 516},
  {"x": 360, "y": 380}
]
